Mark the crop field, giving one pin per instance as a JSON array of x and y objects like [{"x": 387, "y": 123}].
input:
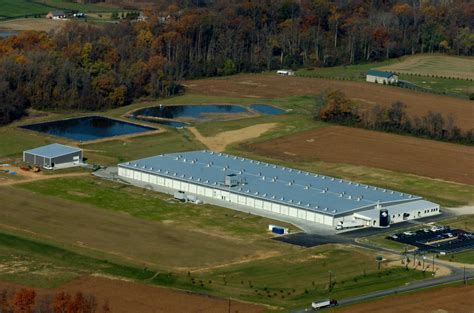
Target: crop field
[
  {"x": 449, "y": 299},
  {"x": 422, "y": 157},
  {"x": 38, "y": 24},
  {"x": 20, "y": 8},
  {"x": 437, "y": 65},
  {"x": 268, "y": 86}
]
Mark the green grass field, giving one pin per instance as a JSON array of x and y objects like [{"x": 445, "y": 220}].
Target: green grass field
[
  {"x": 20, "y": 8},
  {"x": 418, "y": 70},
  {"x": 466, "y": 257}
]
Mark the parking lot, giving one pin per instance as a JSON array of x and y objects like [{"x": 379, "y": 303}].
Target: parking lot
[{"x": 437, "y": 239}]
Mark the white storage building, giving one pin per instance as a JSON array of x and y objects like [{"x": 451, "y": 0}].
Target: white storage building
[{"x": 285, "y": 191}]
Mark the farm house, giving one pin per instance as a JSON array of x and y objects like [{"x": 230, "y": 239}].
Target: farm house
[
  {"x": 381, "y": 77},
  {"x": 233, "y": 181},
  {"x": 54, "y": 156}
]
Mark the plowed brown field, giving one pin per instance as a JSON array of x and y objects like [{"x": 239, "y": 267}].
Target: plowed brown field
[
  {"x": 339, "y": 144},
  {"x": 273, "y": 86},
  {"x": 457, "y": 299},
  {"x": 127, "y": 297}
]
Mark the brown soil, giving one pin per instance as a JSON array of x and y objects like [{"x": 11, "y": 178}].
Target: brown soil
[
  {"x": 29, "y": 176},
  {"x": 339, "y": 144},
  {"x": 457, "y": 299},
  {"x": 221, "y": 140},
  {"x": 125, "y": 297},
  {"x": 274, "y": 86}
]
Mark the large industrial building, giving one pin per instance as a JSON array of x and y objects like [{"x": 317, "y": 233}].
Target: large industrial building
[{"x": 232, "y": 180}]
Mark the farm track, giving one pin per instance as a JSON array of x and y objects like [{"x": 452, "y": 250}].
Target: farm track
[{"x": 270, "y": 86}]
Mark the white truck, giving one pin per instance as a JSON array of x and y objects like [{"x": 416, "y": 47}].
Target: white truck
[
  {"x": 318, "y": 305},
  {"x": 349, "y": 224}
]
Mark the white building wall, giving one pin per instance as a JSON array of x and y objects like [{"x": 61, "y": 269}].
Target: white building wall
[{"x": 225, "y": 196}]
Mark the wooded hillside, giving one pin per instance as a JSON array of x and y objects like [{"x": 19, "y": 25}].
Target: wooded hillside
[{"x": 87, "y": 67}]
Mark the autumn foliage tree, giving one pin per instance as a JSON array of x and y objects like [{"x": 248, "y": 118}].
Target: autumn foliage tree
[{"x": 27, "y": 301}]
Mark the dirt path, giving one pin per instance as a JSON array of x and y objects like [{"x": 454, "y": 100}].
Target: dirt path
[
  {"x": 221, "y": 140},
  {"x": 28, "y": 176}
]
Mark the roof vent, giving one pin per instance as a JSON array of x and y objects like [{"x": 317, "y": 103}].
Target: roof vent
[
  {"x": 334, "y": 211},
  {"x": 290, "y": 201},
  {"x": 290, "y": 170},
  {"x": 323, "y": 177},
  {"x": 325, "y": 209},
  {"x": 357, "y": 184},
  {"x": 239, "y": 189},
  {"x": 401, "y": 193},
  {"x": 242, "y": 159},
  {"x": 264, "y": 195},
  {"x": 410, "y": 196},
  {"x": 358, "y": 199},
  {"x": 212, "y": 152},
  {"x": 307, "y": 205},
  {"x": 143, "y": 166},
  {"x": 207, "y": 181},
  {"x": 306, "y": 173},
  {"x": 127, "y": 163},
  {"x": 366, "y": 187},
  {"x": 256, "y": 193},
  {"x": 220, "y": 154},
  {"x": 273, "y": 197},
  {"x": 316, "y": 206},
  {"x": 282, "y": 198},
  {"x": 174, "y": 174},
  {"x": 166, "y": 172},
  {"x": 384, "y": 190},
  {"x": 247, "y": 191},
  {"x": 158, "y": 170},
  {"x": 263, "y": 177},
  {"x": 199, "y": 179},
  {"x": 323, "y": 191},
  {"x": 332, "y": 179},
  {"x": 316, "y": 175},
  {"x": 299, "y": 172},
  {"x": 151, "y": 168},
  {"x": 266, "y": 164},
  {"x": 391, "y": 192},
  {"x": 349, "y": 197},
  {"x": 299, "y": 202},
  {"x": 182, "y": 175}
]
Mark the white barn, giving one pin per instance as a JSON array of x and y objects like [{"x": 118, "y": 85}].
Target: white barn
[
  {"x": 232, "y": 180},
  {"x": 381, "y": 77}
]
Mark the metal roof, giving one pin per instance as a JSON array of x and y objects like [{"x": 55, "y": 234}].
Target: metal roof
[
  {"x": 53, "y": 150},
  {"x": 380, "y": 73},
  {"x": 291, "y": 187}
]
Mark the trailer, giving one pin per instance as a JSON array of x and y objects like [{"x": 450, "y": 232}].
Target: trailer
[
  {"x": 350, "y": 224},
  {"x": 318, "y": 305}
]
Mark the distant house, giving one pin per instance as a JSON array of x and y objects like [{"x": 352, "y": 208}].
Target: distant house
[
  {"x": 381, "y": 77},
  {"x": 56, "y": 15},
  {"x": 286, "y": 72}
]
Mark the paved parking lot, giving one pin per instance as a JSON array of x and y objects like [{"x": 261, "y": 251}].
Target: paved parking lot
[{"x": 437, "y": 239}]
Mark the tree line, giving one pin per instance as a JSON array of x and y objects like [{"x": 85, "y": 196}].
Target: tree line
[
  {"x": 28, "y": 301},
  {"x": 83, "y": 66},
  {"x": 335, "y": 107}
]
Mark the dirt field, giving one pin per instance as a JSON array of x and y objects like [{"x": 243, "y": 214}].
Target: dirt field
[
  {"x": 38, "y": 24},
  {"x": 126, "y": 297},
  {"x": 339, "y": 144},
  {"x": 273, "y": 86},
  {"x": 441, "y": 65},
  {"x": 221, "y": 140},
  {"x": 457, "y": 299}
]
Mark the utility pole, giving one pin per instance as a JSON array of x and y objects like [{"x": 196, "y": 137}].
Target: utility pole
[
  {"x": 330, "y": 281},
  {"x": 465, "y": 281},
  {"x": 433, "y": 264},
  {"x": 229, "y": 306}
]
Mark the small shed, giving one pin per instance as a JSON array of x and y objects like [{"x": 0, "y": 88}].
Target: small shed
[
  {"x": 286, "y": 72},
  {"x": 381, "y": 77},
  {"x": 56, "y": 15},
  {"x": 54, "y": 156}
]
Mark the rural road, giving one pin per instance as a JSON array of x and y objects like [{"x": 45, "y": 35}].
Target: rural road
[{"x": 456, "y": 276}]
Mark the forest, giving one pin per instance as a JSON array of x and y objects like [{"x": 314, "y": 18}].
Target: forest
[{"x": 83, "y": 66}]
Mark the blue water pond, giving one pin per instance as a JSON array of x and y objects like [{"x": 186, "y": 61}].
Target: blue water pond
[{"x": 88, "y": 128}]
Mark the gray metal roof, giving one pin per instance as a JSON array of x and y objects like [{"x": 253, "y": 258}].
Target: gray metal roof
[
  {"x": 310, "y": 191},
  {"x": 53, "y": 150}
]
